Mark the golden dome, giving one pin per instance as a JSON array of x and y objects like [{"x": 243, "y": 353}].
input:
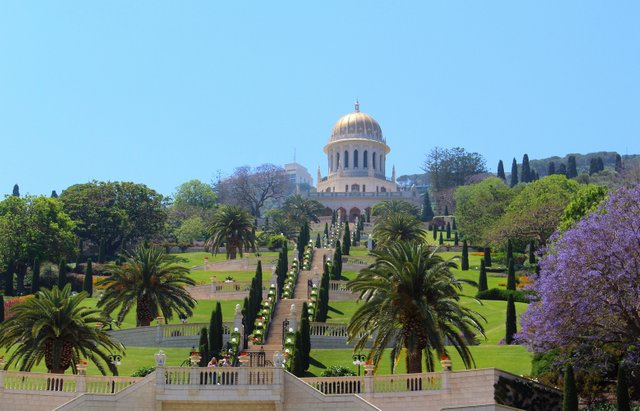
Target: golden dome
[{"x": 356, "y": 125}]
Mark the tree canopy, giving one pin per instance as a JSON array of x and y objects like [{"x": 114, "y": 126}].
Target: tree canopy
[{"x": 450, "y": 167}]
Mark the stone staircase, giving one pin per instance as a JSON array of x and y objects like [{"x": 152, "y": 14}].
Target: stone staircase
[{"x": 273, "y": 342}]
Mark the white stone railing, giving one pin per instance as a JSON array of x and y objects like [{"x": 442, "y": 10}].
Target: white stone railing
[
  {"x": 339, "y": 286},
  {"x": 189, "y": 329},
  {"x": 380, "y": 384},
  {"x": 317, "y": 329},
  {"x": 219, "y": 376},
  {"x": 71, "y": 383}
]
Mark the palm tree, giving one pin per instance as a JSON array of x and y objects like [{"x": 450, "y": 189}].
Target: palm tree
[
  {"x": 398, "y": 227},
  {"x": 55, "y": 325},
  {"x": 411, "y": 300},
  {"x": 387, "y": 208},
  {"x": 233, "y": 227},
  {"x": 150, "y": 280},
  {"x": 300, "y": 209}
]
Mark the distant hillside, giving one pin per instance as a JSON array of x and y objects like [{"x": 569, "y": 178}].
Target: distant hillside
[{"x": 582, "y": 161}]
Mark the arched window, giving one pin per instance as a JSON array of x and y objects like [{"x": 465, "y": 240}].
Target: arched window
[
  {"x": 337, "y": 161},
  {"x": 365, "y": 160},
  {"x": 373, "y": 157},
  {"x": 355, "y": 187},
  {"x": 355, "y": 158},
  {"x": 328, "y": 190},
  {"x": 346, "y": 159}
]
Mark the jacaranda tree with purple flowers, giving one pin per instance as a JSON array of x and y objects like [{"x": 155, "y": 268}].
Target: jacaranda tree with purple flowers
[{"x": 589, "y": 287}]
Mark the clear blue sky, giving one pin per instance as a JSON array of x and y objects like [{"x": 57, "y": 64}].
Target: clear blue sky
[{"x": 161, "y": 92}]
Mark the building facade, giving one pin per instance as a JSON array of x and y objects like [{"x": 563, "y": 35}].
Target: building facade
[{"x": 356, "y": 177}]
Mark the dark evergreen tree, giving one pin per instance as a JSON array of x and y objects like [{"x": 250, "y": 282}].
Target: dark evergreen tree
[
  {"x": 248, "y": 324},
  {"x": 511, "y": 276},
  {"x": 622, "y": 389},
  {"x": 455, "y": 239},
  {"x": 203, "y": 348},
  {"x": 87, "y": 284},
  {"x": 54, "y": 194},
  {"x": 435, "y": 232},
  {"x": 35, "y": 276},
  {"x": 570, "y": 392},
  {"x": 303, "y": 239},
  {"x": 446, "y": 210},
  {"x": 618, "y": 164},
  {"x": 318, "y": 241},
  {"x": 487, "y": 257},
  {"x": 551, "y": 170},
  {"x": 16, "y": 191},
  {"x": 454, "y": 226},
  {"x": 572, "y": 168},
  {"x": 441, "y": 239},
  {"x": 514, "y": 173},
  {"x": 500, "y": 173},
  {"x": 305, "y": 336},
  {"x": 334, "y": 217},
  {"x": 532, "y": 252},
  {"x": 482, "y": 278},
  {"x": 427, "y": 210},
  {"x": 562, "y": 169},
  {"x": 218, "y": 334},
  {"x": 1, "y": 308},
  {"x": 326, "y": 230},
  {"x": 526, "y": 170},
  {"x": 297, "y": 360},
  {"x": 346, "y": 239},
  {"x": 509, "y": 250},
  {"x": 212, "y": 337},
  {"x": 8, "y": 278},
  {"x": 464, "y": 264},
  {"x": 448, "y": 231},
  {"x": 512, "y": 327},
  {"x": 593, "y": 166},
  {"x": 337, "y": 262},
  {"x": 62, "y": 274}
]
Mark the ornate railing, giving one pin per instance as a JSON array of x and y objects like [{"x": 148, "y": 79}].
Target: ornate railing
[
  {"x": 223, "y": 376},
  {"x": 337, "y": 385},
  {"x": 190, "y": 329},
  {"x": 379, "y": 384},
  {"x": 72, "y": 383},
  {"x": 318, "y": 329}
]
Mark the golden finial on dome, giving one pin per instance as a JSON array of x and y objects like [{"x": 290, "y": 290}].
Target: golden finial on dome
[{"x": 357, "y": 105}]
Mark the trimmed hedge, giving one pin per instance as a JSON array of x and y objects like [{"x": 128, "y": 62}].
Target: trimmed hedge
[{"x": 499, "y": 294}]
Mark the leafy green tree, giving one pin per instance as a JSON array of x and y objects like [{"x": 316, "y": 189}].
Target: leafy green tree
[
  {"x": 346, "y": 239},
  {"x": 398, "y": 227},
  {"x": 57, "y": 326},
  {"x": 511, "y": 324},
  {"x": 482, "y": 279},
  {"x": 191, "y": 229},
  {"x": 479, "y": 206},
  {"x": 570, "y": 392},
  {"x": 447, "y": 168},
  {"x": 385, "y": 209},
  {"x": 500, "y": 174},
  {"x": 300, "y": 210},
  {"x": 586, "y": 200},
  {"x": 622, "y": 389},
  {"x": 151, "y": 281},
  {"x": 464, "y": 264},
  {"x": 427, "y": 209},
  {"x": 195, "y": 194},
  {"x": 535, "y": 212},
  {"x": 411, "y": 301},
  {"x": 514, "y": 173},
  {"x": 233, "y": 227},
  {"x": 511, "y": 276},
  {"x": 305, "y": 336},
  {"x": 87, "y": 285}
]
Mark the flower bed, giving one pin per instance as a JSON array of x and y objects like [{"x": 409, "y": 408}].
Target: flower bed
[{"x": 290, "y": 282}]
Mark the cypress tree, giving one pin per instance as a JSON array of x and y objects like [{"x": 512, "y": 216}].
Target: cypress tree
[
  {"x": 599, "y": 164},
  {"x": 248, "y": 324},
  {"x": 532, "y": 254},
  {"x": 572, "y": 169},
  {"x": 570, "y": 392},
  {"x": 337, "y": 262},
  {"x": 16, "y": 191},
  {"x": 427, "y": 210},
  {"x": 622, "y": 389},
  {"x": 318, "y": 241},
  {"x": 511, "y": 320},
  {"x": 203, "y": 348},
  {"x": 593, "y": 166},
  {"x": 1, "y": 308},
  {"x": 509, "y": 250},
  {"x": 551, "y": 170},
  {"x": 8, "y": 278},
  {"x": 87, "y": 285},
  {"x": 218, "y": 331},
  {"x": 297, "y": 360},
  {"x": 464, "y": 265},
  {"x": 305, "y": 336},
  {"x": 435, "y": 232},
  {"x": 500, "y": 173},
  {"x": 346, "y": 239},
  {"x": 562, "y": 169},
  {"x": 526, "y": 169},
  {"x": 482, "y": 279},
  {"x": 446, "y": 210},
  {"x": 62, "y": 274},
  {"x": 454, "y": 226},
  {"x": 455, "y": 238},
  {"x": 35, "y": 279},
  {"x": 441, "y": 240},
  {"x": 212, "y": 337},
  {"x": 511, "y": 277},
  {"x": 448, "y": 231},
  {"x": 487, "y": 257},
  {"x": 514, "y": 173},
  {"x": 326, "y": 230},
  {"x": 54, "y": 194},
  {"x": 619, "y": 166},
  {"x": 333, "y": 217}
]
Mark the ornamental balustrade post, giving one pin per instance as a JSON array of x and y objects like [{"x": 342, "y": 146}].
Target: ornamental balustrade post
[
  {"x": 1, "y": 379},
  {"x": 368, "y": 378},
  {"x": 158, "y": 333},
  {"x": 81, "y": 383},
  {"x": 237, "y": 321}
]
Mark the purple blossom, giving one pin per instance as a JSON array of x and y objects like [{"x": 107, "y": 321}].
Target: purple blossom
[{"x": 589, "y": 283}]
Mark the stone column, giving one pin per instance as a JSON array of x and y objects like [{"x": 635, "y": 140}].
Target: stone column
[{"x": 368, "y": 378}]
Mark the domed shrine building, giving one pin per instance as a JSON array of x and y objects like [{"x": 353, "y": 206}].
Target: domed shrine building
[{"x": 356, "y": 162}]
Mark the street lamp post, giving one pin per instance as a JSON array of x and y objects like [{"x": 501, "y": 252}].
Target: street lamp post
[
  {"x": 115, "y": 359},
  {"x": 359, "y": 359}
]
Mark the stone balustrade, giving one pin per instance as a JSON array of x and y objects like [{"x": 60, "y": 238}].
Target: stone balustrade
[
  {"x": 397, "y": 383},
  {"x": 64, "y": 383}
]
